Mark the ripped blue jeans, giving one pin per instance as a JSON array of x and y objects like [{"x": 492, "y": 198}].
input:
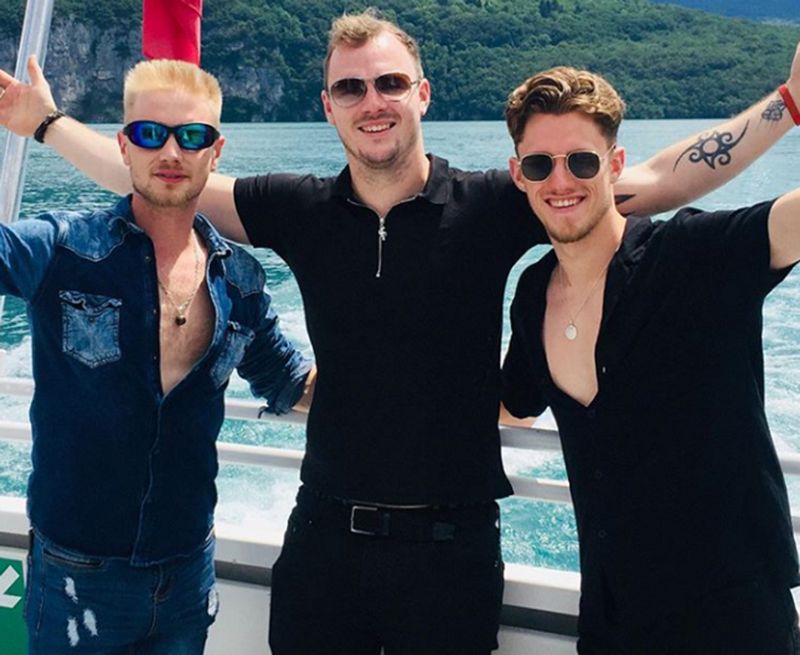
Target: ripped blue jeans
[{"x": 76, "y": 605}]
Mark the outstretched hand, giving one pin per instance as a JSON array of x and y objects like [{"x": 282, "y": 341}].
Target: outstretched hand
[{"x": 24, "y": 106}]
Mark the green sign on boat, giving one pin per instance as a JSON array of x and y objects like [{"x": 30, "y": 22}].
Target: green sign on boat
[{"x": 12, "y": 590}]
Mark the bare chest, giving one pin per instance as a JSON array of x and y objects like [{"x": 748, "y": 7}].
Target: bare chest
[
  {"x": 572, "y": 360},
  {"x": 182, "y": 346}
]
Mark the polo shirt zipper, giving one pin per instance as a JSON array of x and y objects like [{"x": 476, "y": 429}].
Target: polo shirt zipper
[
  {"x": 381, "y": 238},
  {"x": 382, "y": 233}
]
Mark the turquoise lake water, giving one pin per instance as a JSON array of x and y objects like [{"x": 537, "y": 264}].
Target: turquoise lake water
[{"x": 537, "y": 533}]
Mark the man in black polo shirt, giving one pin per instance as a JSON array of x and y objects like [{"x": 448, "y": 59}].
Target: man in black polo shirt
[
  {"x": 645, "y": 340},
  {"x": 402, "y": 263}
]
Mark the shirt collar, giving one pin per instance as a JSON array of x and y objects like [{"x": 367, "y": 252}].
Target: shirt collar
[
  {"x": 122, "y": 219},
  {"x": 435, "y": 191},
  {"x": 634, "y": 239},
  {"x": 631, "y": 249},
  {"x": 633, "y": 246}
]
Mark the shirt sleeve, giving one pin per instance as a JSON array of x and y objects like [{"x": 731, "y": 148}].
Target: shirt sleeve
[
  {"x": 274, "y": 368},
  {"x": 267, "y": 206},
  {"x": 733, "y": 245},
  {"x": 522, "y": 228},
  {"x": 523, "y": 389},
  {"x": 26, "y": 249}
]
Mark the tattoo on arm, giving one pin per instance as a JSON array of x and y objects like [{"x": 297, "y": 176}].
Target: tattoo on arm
[
  {"x": 712, "y": 149},
  {"x": 774, "y": 111}
]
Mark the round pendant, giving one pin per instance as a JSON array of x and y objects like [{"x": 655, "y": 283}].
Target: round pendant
[
  {"x": 571, "y": 332},
  {"x": 181, "y": 320}
]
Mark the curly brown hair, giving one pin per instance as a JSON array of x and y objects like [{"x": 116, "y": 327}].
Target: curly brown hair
[{"x": 562, "y": 90}]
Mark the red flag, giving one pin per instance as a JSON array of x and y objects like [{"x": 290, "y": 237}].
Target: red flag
[{"x": 171, "y": 29}]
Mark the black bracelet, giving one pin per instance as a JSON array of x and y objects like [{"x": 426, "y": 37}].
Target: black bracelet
[{"x": 50, "y": 118}]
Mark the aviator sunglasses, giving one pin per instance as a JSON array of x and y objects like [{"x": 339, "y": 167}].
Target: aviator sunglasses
[
  {"x": 153, "y": 135},
  {"x": 351, "y": 90},
  {"x": 583, "y": 164}
]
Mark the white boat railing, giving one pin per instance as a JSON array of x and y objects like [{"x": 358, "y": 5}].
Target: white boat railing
[
  {"x": 535, "y": 439},
  {"x": 248, "y": 410}
]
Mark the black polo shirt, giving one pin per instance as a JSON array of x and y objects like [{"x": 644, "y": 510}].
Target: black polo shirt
[
  {"x": 405, "y": 407},
  {"x": 674, "y": 477}
]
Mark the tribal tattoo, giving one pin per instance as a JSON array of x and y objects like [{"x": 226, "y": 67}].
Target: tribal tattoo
[
  {"x": 712, "y": 149},
  {"x": 774, "y": 111}
]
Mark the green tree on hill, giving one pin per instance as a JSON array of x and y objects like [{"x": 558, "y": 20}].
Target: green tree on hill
[{"x": 667, "y": 61}]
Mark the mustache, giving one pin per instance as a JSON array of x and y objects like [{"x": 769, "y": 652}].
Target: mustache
[{"x": 383, "y": 115}]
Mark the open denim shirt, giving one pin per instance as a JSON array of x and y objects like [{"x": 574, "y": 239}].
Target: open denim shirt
[{"x": 119, "y": 468}]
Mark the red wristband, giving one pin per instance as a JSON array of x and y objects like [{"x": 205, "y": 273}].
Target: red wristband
[{"x": 789, "y": 102}]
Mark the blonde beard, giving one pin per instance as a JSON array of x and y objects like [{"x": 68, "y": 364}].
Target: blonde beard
[{"x": 167, "y": 201}]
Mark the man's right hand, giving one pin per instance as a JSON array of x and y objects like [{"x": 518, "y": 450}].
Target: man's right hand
[{"x": 24, "y": 106}]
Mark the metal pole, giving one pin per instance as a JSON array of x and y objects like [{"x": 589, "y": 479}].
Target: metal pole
[{"x": 35, "y": 32}]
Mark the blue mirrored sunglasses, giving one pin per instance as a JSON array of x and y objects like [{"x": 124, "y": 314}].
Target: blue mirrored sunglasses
[{"x": 153, "y": 135}]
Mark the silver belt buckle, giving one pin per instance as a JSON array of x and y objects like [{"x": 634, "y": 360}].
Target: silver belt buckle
[{"x": 364, "y": 508}]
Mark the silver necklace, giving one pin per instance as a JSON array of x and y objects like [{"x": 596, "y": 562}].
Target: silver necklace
[
  {"x": 571, "y": 331},
  {"x": 182, "y": 307}
]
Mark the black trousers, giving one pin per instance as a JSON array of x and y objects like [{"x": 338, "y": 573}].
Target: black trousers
[
  {"x": 753, "y": 617},
  {"x": 425, "y": 582}
]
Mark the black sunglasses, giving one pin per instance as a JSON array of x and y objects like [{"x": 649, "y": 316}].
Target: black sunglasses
[
  {"x": 153, "y": 135},
  {"x": 392, "y": 86},
  {"x": 583, "y": 164}
]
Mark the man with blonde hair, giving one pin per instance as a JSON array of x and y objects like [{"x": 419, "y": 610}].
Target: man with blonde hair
[
  {"x": 139, "y": 314},
  {"x": 644, "y": 338},
  {"x": 402, "y": 263}
]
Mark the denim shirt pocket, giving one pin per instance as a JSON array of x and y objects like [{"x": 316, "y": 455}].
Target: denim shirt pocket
[
  {"x": 237, "y": 338},
  {"x": 90, "y": 327}
]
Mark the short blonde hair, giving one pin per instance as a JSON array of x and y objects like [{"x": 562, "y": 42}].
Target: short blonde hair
[
  {"x": 171, "y": 74},
  {"x": 562, "y": 90},
  {"x": 354, "y": 30}
]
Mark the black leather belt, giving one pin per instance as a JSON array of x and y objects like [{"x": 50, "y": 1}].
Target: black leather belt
[
  {"x": 430, "y": 523},
  {"x": 408, "y": 524}
]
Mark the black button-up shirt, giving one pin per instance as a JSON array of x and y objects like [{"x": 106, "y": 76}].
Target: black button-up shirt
[
  {"x": 674, "y": 477},
  {"x": 405, "y": 317}
]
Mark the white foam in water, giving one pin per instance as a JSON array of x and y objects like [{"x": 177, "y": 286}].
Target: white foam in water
[
  {"x": 16, "y": 364},
  {"x": 293, "y": 326},
  {"x": 17, "y": 360},
  {"x": 264, "y": 513}
]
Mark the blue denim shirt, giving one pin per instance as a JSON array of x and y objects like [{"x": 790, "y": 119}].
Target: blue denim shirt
[{"x": 119, "y": 468}]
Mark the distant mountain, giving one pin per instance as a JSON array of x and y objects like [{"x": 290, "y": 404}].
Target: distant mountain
[{"x": 760, "y": 9}]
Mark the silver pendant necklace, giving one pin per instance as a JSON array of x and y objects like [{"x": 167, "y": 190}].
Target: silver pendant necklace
[
  {"x": 182, "y": 307},
  {"x": 571, "y": 331}
]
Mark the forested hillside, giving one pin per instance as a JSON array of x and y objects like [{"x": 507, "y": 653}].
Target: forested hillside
[
  {"x": 668, "y": 62},
  {"x": 764, "y": 9}
]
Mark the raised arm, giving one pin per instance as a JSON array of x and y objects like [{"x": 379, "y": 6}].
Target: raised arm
[
  {"x": 23, "y": 107},
  {"x": 784, "y": 231},
  {"x": 699, "y": 164}
]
